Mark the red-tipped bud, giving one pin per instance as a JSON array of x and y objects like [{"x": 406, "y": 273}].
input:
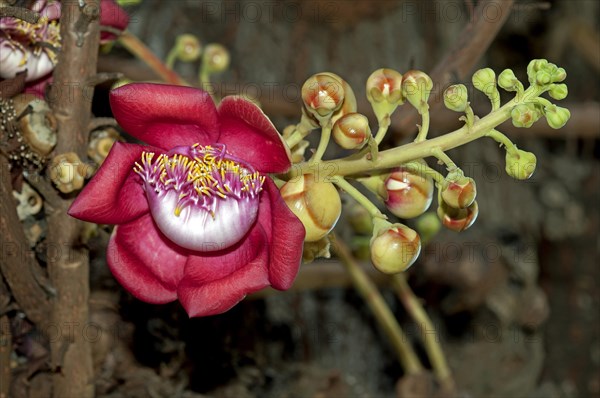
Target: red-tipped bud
[
  {"x": 323, "y": 95},
  {"x": 457, "y": 219},
  {"x": 459, "y": 190},
  {"x": 317, "y": 204},
  {"x": 384, "y": 91},
  {"x": 416, "y": 88},
  {"x": 395, "y": 248},
  {"x": 352, "y": 131},
  {"x": 409, "y": 193}
]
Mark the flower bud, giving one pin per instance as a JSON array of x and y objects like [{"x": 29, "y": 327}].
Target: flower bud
[
  {"x": 484, "y": 80},
  {"x": 395, "y": 248},
  {"x": 428, "y": 225},
  {"x": 416, "y": 88},
  {"x": 456, "y": 98},
  {"x": 459, "y": 190},
  {"x": 349, "y": 104},
  {"x": 507, "y": 80},
  {"x": 556, "y": 116},
  {"x": 457, "y": 219},
  {"x": 559, "y": 75},
  {"x": 316, "y": 203},
  {"x": 38, "y": 126},
  {"x": 68, "y": 172},
  {"x": 543, "y": 78},
  {"x": 384, "y": 85},
  {"x": 524, "y": 115},
  {"x": 520, "y": 165},
  {"x": 188, "y": 48},
  {"x": 101, "y": 142},
  {"x": 351, "y": 131},
  {"x": 360, "y": 219},
  {"x": 534, "y": 66},
  {"x": 409, "y": 193},
  {"x": 558, "y": 91},
  {"x": 323, "y": 95},
  {"x": 215, "y": 58}
]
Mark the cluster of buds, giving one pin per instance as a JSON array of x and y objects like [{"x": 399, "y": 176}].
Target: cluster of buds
[{"x": 407, "y": 188}]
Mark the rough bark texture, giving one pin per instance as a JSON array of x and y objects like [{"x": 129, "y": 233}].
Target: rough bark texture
[
  {"x": 17, "y": 260},
  {"x": 68, "y": 262}
]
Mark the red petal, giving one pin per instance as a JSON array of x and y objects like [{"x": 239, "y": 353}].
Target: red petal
[
  {"x": 131, "y": 270},
  {"x": 227, "y": 280},
  {"x": 111, "y": 14},
  {"x": 286, "y": 236},
  {"x": 165, "y": 116},
  {"x": 115, "y": 194},
  {"x": 250, "y": 135},
  {"x": 147, "y": 251}
]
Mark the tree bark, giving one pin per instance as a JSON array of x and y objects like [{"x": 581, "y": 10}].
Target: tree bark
[{"x": 68, "y": 262}]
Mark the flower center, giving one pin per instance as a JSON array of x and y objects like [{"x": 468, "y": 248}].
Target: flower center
[{"x": 201, "y": 197}]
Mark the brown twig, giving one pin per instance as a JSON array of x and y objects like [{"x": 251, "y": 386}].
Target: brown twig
[
  {"x": 474, "y": 40},
  {"x": 16, "y": 259},
  {"x": 5, "y": 354},
  {"x": 20, "y": 13},
  {"x": 68, "y": 265}
]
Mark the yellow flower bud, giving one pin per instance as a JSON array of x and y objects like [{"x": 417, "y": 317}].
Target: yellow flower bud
[
  {"x": 349, "y": 104},
  {"x": 457, "y": 219},
  {"x": 416, "y": 88},
  {"x": 323, "y": 95},
  {"x": 395, "y": 248},
  {"x": 351, "y": 131},
  {"x": 409, "y": 194},
  {"x": 215, "y": 58},
  {"x": 316, "y": 203},
  {"x": 520, "y": 165},
  {"x": 456, "y": 98},
  {"x": 68, "y": 172},
  {"x": 459, "y": 190},
  {"x": 384, "y": 91}
]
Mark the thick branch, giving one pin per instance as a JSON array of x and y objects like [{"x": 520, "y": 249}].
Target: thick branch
[
  {"x": 17, "y": 260},
  {"x": 68, "y": 265}
]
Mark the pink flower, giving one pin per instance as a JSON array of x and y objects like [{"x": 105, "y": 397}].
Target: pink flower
[
  {"x": 35, "y": 47},
  {"x": 197, "y": 218}
]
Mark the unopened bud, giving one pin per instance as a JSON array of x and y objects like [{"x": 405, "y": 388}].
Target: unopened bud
[
  {"x": 534, "y": 66},
  {"x": 395, "y": 248},
  {"x": 322, "y": 94},
  {"x": 384, "y": 91},
  {"x": 416, "y": 88},
  {"x": 459, "y": 191},
  {"x": 409, "y": 194},
  {"x": 352, "y": 131},
  {"x": 317, "y": 204},
  {"x": 456, "y": 98},
  {"x": 457, "y": 219},
  {"x": 558, "y": 91},
  {"x": 188, "y": 48},
  {"x": 556, "y": 116},
  {"x": 67, "y": 172},
  {"x": 520, "y": 165},
  {"x": 524, "y": 115},
  {"x": 215, "y": 58},
  {"x": 508, "y": 81},
  {"x": 559, "y": 75},
  {"x": 484, "y": 80}
]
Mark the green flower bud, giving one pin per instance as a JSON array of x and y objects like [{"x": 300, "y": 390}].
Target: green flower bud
[
  {"x": 484, "y": 80},
  {"x": 457, "y": 219},
  {"x": 188, "y": 48},
  {"x": 459, "y": 191},
  {"x": 215, "y": 58},
  {"x": 316, "y": 203},
  {"x": 558, "y": 91},
  {"x": 559, "y": 75},
  {"x": 351, "y": 131},
  {"x": 507, "y": 80},
  {"x": 535, "y": 66},
  {"x": 428, "y": 225},
  {"x": 556, "y": 116},
  {"x": 416, "y": 88},
  {"x": 360, "y": 219},
  {"x": 394, "y": 248},
  {"x": 524, "y": 115},
  {"x": 543, "y": 78},
  {"x": 384, "y": 91},
  {"x": 520, "y": 165},
  {"x": 456, "y": 98}
]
